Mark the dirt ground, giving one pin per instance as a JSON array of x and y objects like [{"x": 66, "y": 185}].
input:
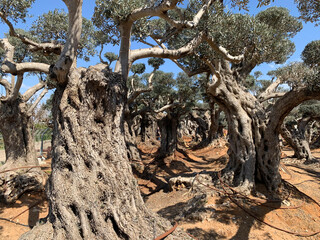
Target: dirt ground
[{"x": 217, "y": 215}]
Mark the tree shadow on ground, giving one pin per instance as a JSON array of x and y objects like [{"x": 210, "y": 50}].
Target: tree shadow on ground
[
  {"x": 33, "y": 202},
  {"x": 307, "y": 170},
  {"x": 201, "y": 234},
  {"x": 226, "y": 212}
]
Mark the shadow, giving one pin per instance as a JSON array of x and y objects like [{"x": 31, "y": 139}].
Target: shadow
[
  {"x": 171, "y": 212},
  {"x": 258, "y": 211},
  {"x": 201, "y": 234},
  {"x": 206, "y": 160},
  {"x": 179, "y": 166},
  {"x": 307, "y": 170},
  {"x": 30, "y": 203}
]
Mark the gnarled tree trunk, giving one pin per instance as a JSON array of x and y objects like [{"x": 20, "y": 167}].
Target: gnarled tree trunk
[
  {"x": 215, "y": 127},
  {"x": 92, "y": 192},
  {"x": 20, "y": 152},
  {"x": 254, "y": 131},
  {"x": 254, "y": 150},
  {"x": 297, "y": 140},
  {"x": 132, "y": 148},
  {"x": 148, "y": 128},
  {"x": 168, "y": 126}
]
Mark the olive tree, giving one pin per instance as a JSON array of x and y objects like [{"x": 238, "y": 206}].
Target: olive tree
[
  {"x": 27, "y": 54},
  {"x": 91, "y": 190},
  {"x": 16, "y": 112},
  {"x": 297, "y": 130}
]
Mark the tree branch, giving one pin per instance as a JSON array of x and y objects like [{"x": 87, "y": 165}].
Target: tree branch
[
  {"x": 271, "y": 95},
  {"x": 262, "y": 97},
  {"x": 17, "y": 87},
  {"x": 187, "y": 24},
  {"x": 33, "y": 46},
  {"x": 166, "y": 107},
  {"x": 9, "y": 66},
  {"x": 5, "y": 84},
  {"x": 152, "y": 11},
  {"x": 31, "y": 91},
  {"x": 68, "y": 57},
  {"x": 137, "y": 92},
  {"x": 100, "y": 57},
  {"x": 31, "y": 109},
  {"x": 223, "y": 51},
  {"x": 167, "y": 53},
  {"x": 290, "y": 100}
]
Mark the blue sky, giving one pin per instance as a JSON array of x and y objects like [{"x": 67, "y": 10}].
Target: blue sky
[{"x": 307, "y": 34}]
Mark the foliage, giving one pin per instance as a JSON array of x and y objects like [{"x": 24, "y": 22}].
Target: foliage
[
  {"x": 297, "y": 74},
  {"x": 15, "y": 9},
  {"x": 310, "y": 108},
  {"x": 111, "y": 57},
  {"x": 310, "y": 10},
  {"x": 138, "y": 68},
  {"x": 155, "y": 62},
  {"x": 261, "y": 38},
  {"x": 311, "y": 54},
  {"x": 182, "y": 90},
  {"x": 53, "y": 27}
]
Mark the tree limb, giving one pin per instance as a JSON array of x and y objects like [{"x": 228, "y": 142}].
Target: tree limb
[
  {"x": 167, "y": 53},
  {"x": 290, "y": 100},
  {"x": 33, "y": 46},
  {"x": 9, "y": 66},
  {"x": 31, "y": 91},
  {"x": 152, "y": 11},
  {"x": 216, "y": 76},
  {"x": 137, "y": 92},
  {"x": 166, "y": 107},
  {"x": 271, "y": 95},
  {"x": 223, "y": 51},
  {"x": 100, "y": 57},
  {"x": 5, "y": 83},
  {"x": 187, "y": 24},
  {"x": 31, "y": 109},
  {"x": 17, "y": 87},
  {"x": 262, "y": 97},
  {"x": 68, "y": 57}
]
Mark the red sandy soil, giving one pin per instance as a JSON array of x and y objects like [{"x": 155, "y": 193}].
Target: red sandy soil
[{"x": 225, "y": 219}]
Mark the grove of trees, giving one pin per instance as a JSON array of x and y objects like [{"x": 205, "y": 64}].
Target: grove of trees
[{"x": 92, "y": 192}]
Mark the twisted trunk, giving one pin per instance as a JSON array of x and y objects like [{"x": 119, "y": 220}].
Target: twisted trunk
[
  {"x": 254, "y": 150},
  {"x": 92, "y": 192},
  {"x": 297, "y": 140},
  {"x": 20, "y": 151},
  {"x": 215, "y": 127},
  {"x": 133, "y": 153}
]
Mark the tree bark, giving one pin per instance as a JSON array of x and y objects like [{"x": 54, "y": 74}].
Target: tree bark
[
  {"x": 20, "y": 151},
  {"x": 254, "y": 150},
  {"x": 297, "y": 140},
  {"x": 168, "y": 126},
  {"x": 92, "y": 192},
  {"x": 254, "y": 130},
  {"x": 148, "y": 128},
  {"x": 214, "y": 128}
]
